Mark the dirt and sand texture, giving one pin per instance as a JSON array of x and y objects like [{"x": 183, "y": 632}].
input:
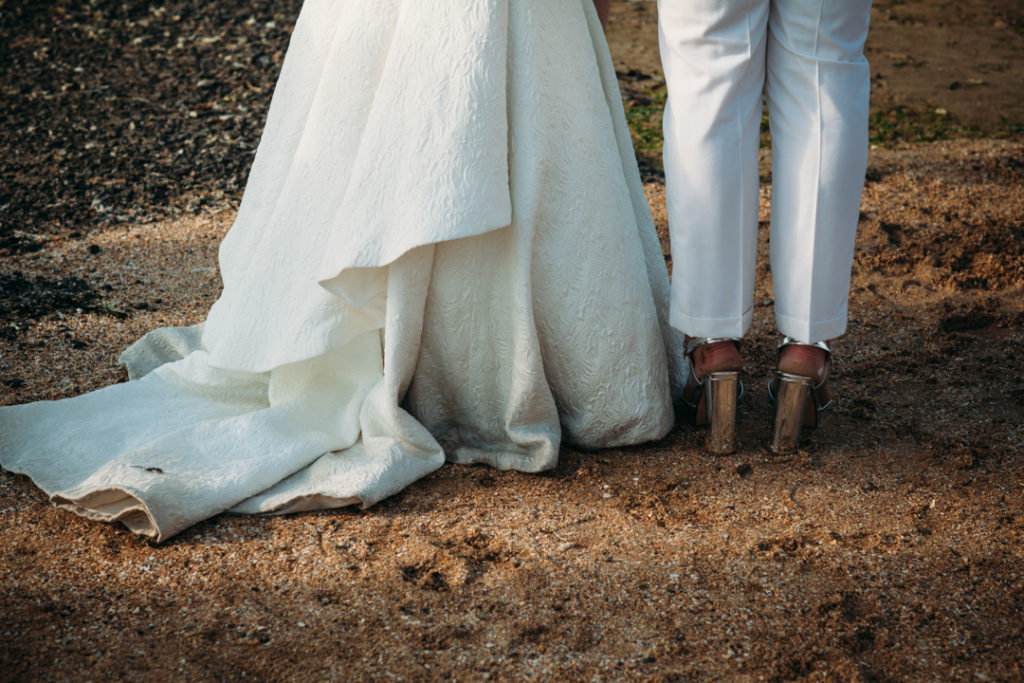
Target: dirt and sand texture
[{"x": 891, "y": 547}]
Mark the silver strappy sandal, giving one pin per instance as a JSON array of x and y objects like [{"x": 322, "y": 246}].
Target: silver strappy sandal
[
  {"x": 798, "y": 401},
  {"x": 714, "y": 398}
]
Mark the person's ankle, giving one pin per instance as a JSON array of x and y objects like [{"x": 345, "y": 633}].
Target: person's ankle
[
  {"x": 719, "y": 356},
  {"x": 804, "y": 360}
]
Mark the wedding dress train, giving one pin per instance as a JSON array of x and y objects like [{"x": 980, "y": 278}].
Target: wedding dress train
[{"x": 443, "y": 250}]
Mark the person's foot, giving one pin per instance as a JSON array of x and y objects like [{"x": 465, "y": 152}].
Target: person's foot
[
  {"x": 800, "y": 390},
  {"x": 807, "y": 361},
  {"x": 713, "y": 389},
  {"x": 717, "y": 356}
]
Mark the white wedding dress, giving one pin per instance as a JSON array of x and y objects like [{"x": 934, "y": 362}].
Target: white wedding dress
[{"x": 443, "y": 249}]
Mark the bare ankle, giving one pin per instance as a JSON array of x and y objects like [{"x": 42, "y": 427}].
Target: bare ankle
[
  {"x": 807, "y": 361},
  {"x": 718, "y": 356}
]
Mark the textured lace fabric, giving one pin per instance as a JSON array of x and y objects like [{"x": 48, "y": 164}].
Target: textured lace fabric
[{"x": 443, "y": 251}]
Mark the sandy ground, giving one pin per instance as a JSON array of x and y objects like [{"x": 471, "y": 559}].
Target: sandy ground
[{"x": 890, "y": 547}]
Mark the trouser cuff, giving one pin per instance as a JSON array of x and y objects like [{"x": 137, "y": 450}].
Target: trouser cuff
[
  {"x": 710, "y": 327},
  {"x": 811, "y": 332}
]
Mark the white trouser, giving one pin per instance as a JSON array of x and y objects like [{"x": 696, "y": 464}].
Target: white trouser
[{"x": 806, "y": 56}]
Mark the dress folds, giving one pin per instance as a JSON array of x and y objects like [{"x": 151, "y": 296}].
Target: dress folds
[{"x": 443, "y": 251}]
